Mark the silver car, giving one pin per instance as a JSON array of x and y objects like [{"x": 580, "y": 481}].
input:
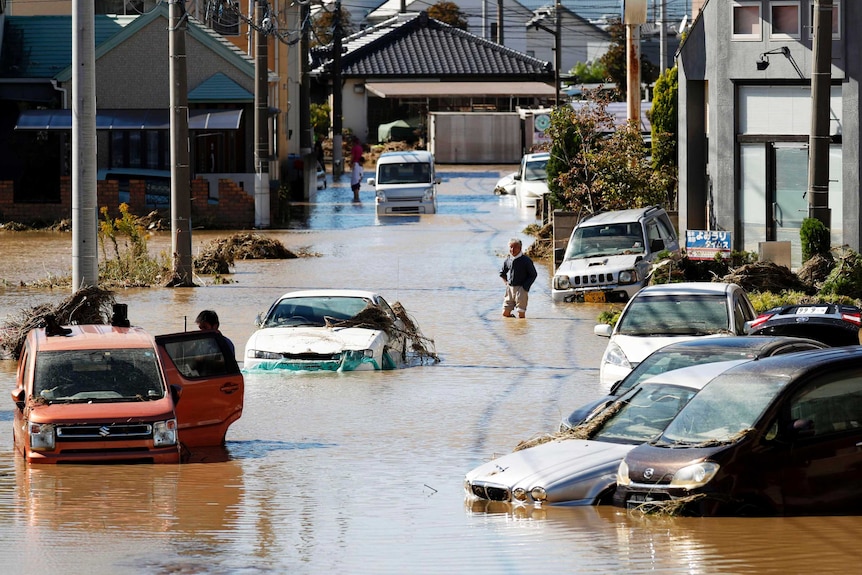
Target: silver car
[{"x": 583, "y": 471}]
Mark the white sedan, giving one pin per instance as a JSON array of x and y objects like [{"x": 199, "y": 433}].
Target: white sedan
[{"x": 327, "y": 330}]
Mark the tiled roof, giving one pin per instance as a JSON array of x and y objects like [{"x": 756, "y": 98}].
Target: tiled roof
[
  {"x": 411, "y": 44},
  {"x": 41, "y": 46},
  {"x": 220, "y": 88}
]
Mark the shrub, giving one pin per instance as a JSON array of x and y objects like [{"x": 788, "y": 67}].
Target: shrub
[{"x": 815, "y": 239}]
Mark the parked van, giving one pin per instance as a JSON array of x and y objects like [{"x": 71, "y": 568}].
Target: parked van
[
  {"x": 609, "y": 255},
  {"x": 112, "y": 393},
  {"x": 405, "y": 183}
]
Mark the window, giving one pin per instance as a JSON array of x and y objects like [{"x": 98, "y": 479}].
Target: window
[
  {"x": 785, "y": 19},
  {"x": 831, "y": 407},
  {"x": 836, "y": 20},
  {"x": 746, "y": 23}
]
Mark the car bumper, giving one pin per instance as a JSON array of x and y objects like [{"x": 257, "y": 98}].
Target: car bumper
[
  {"x": 391, "y": 208},
  {"x": 619, "y": 294}
]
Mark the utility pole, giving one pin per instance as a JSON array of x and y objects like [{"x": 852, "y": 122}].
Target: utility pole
[
  {"x": 662, "y": 37},
  {"x": 309, "y": 178},
  {"x": 337, "y": 95},
  {"x": 85, "y": 259},
  {"x": 558, "y": 50},
  {"x": 819, "y": 140},
  {"x": 500, "y": 39},
  {"x": 181, "y": 225},
  {"x": 262, "y": 206},
  {"x": 635, "y": 15}
]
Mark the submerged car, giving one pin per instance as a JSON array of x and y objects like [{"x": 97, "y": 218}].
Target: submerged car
[
  {"x": 505, "y": 185},
  {"x": 531, "y": 180},
  {"x": 405, "y": 183},
  {"x": 583, "y": 471},
  {"x": 114, "y": 393},
  {"x": 327, "y": 330},
  {"x": 779, "y": 436},
  {"x": 831, "y": 323},
  {"x": 693, "y": 352},
  {"x": 665, "y": 313}
]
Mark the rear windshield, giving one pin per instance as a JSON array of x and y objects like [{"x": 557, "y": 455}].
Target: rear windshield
[
  {"x": 98, "y": 375},
  {"x": 693, "y": 314}
]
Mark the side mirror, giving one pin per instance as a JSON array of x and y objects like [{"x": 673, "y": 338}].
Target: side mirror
[
  {"x": 176, "y": 393},
  {"x": 559, "y": 254},
  {"x": 802, "y": 429},
  {"x": 656, "y": 245},
  {"x": 258, "y": 320},
  {"x": 603, "y": 330},
  {"x": 371, "y": 181},
  {"x": 18, "y": 398},
  {"x": 517, "y": 176}
]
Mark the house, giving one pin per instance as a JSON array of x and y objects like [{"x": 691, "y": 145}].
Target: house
[
  {"x": 133, "y": 99},
  {"x": 745, "y": 116},
  {"x": 410, "y": 66}
]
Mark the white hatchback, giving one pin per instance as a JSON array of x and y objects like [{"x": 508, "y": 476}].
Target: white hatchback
[
  {"x": 661, "y": 314},
  {"x": 531, "y": 180}
]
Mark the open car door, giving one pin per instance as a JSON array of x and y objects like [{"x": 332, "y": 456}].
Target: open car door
[{"x": 202, "y": 364}]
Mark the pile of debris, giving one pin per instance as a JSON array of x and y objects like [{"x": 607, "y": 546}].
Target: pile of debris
[
  {"x": 89, "y": 305},
  {"x": 219, "y": 255}
]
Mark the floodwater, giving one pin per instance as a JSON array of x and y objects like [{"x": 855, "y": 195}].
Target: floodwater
[{"x": 362, "y": 472}]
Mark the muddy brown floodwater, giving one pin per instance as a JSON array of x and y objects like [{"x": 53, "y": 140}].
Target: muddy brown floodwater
[{"x": 362, "y": 472}]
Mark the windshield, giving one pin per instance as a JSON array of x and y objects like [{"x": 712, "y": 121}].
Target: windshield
[
  {"x": 536, "y": 170},
  {"x": 130, "y": 374},
  {"x": 676, "y": 314},
  {"x": 645, "y": 412},
  {"x": 605, "y": 240},
  {"x": 314, "y": 310},
  {"x": 404, "y": 173},
  {"x": 664, "y": 361},
  {"x": 723, "y": 409}
]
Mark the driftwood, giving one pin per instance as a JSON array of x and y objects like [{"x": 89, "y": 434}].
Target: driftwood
[
  {"x": 219, "y": 255},
  {"x": 90, "y": 305}
]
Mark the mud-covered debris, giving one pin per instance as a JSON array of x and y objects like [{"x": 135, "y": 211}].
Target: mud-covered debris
[
  {"x": 766, "y": 277},
  {"x": 542, "y": 247},
  {"x": 219, "y": 255},
  {"x": 90, "y": 305},
  {"x": 582, "y": 431},
  {"x": 375, "y": 318},
  {"x": 816, "y": 269}
]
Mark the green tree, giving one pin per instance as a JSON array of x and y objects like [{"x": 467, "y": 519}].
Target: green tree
[
  {"x": 323, "y": 26},
  {"x": 448, "y": 12},
  {"x": 664, "y": 121},
  {"x": 615, "y": 60},
  {"x": 597, "y": 166},
  {"x": 320, "y": 114},
  {"x": 589, "y": 72}
]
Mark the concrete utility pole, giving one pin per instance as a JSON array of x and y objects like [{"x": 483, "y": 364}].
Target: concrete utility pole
[
  {"x": 85, "y": 237},
  {"x": 635, "y": 15},
  {"x": 500, "y": 39},
  {"x": 309, "y": 170},
  {"x": 181, "y": 225},
  {"x": 337, "y": 95},
  {"x": 261, "y": 117},
  {"x": 662, "y": 37},
  {"x": 819, "y": 140},
  {"x": 558, "y": 49}
]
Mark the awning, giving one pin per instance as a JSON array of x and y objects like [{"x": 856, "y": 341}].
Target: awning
[
  {"x": 158, "y": 119},
  {"x": 459, "y": 89}
]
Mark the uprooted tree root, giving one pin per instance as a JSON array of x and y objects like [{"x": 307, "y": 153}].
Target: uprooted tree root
[
  {"x": 219, "y": 255},
  {"x": 90, "y": 305},
  {"x": 376, "y": 318}
]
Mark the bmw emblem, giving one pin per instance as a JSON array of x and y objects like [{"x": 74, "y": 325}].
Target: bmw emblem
[{"x": 648, "y": 472}]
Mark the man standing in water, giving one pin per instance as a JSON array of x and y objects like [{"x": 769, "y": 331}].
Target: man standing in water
[
  {"x": 518, "y": 274},
  {"x": 356, "y": 152}
]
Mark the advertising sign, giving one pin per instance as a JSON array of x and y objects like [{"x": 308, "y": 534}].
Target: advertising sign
[{"x": 704, "y": 244}]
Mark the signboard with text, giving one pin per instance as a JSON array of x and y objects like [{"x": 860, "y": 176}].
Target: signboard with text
[{"x": 704, "y": 244}]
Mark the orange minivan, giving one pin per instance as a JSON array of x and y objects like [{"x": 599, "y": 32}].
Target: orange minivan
[{"x": 112, "y": 393}]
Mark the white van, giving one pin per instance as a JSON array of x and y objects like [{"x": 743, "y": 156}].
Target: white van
[{"x": 405, "y": 183}]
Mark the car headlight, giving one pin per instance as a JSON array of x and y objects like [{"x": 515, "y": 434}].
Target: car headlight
[
  {"x": 41, "y": 436},
  {"x": 562, "y": 282},
  {"x": 623, "y": 474},
  {"x": 381, "y": 196},
  {"x": 361, "y": 353},
  {"x": 428, "y": 195},
  {"x": 695, "y": 475},
  {"x": 614, "y": 355},
  {"x": 165, "y": 433},
  {"x": 538, "y": 494},
  {"x": 261, "y": 354},
  {"x": 628, "y": 277}
]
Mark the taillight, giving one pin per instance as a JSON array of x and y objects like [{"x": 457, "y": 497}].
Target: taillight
[
  {"x": 759, "y": 320},
  {"x": 854, "y": 318}
]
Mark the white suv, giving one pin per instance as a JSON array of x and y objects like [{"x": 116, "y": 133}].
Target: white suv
[
  {"x": 531, "y": 180},
  {"x": 609, "y": 255}
]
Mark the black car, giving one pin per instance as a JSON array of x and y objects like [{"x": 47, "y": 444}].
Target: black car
[
  {"x": 832, "y": 323},
  {"x": 692, "y": 352},
  {"x": 778, "y": 436}
]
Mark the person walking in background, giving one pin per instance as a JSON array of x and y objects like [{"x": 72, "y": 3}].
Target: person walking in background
[
  {"x": 356, "y": 152},
  {"x": 518, "y": 274},
  {"x": 208, "y": 320}
]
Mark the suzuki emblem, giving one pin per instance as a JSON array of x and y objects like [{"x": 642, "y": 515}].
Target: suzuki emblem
[{"x": 104, "y": 431}]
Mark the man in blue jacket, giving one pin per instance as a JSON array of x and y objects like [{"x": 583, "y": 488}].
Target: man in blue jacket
[{"x": 518, "y": 274}]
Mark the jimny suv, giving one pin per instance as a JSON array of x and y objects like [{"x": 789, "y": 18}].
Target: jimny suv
[{"x": 609, "y": 255}]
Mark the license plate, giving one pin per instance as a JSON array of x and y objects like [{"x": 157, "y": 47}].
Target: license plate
[
  {"x": 810, "y": 310},
  {"x": 594, "y": 297},
  {"x": 636, "y": 499}
]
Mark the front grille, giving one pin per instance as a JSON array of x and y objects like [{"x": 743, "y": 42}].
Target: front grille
[
  {"x": 308, "y": 356},
  {"x": 490, "y": 492},
  {"x": 105, "y": 432},
  {"x": 406, "y": 209},
  {"x": 592, "y": 280}
]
